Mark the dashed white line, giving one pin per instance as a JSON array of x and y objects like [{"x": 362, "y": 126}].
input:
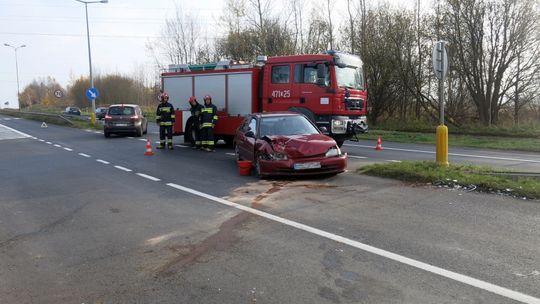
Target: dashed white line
[
  {"x": 505, "y": 292},
  {"x": 130, "y": 137},
  {"x": 148, "y": 177},
  {"x": 180, "y": 146},
  {"x": 231, "y": 154},
  {"x": 41, "y": 140},
  {"x": 85, "y": 155},
  {"x": 68, "y": 149},
  {"x": 123, "y": 168},
  {"x": 49, "y": 143},
  {"x": 87, "y": 130},
  {"x": 57, "y": 145},
  {"x": 34, "y": 137},
  {"x": 97, "y": 132},
  {"x": 102, "y": 161},
  {"x": 142, "y": 139}
]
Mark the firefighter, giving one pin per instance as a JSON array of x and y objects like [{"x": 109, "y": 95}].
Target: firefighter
[
  {"x": 196, "y": 108},
  {"x": 208, "y": 121},
  {"x": 165, "y": 119}
]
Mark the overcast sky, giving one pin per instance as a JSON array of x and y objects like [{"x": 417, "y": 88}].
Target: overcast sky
[{"x": 54, "y": 32}]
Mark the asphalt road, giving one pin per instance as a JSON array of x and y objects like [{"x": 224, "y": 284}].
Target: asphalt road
[{"x": 86, "y": 219}]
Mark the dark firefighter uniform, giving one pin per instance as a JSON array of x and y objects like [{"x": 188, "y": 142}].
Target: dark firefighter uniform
[
  {"x": 196, "y": 122},
  {"x": 208, "y": 121},
  {"x": 165, "y": 119}
]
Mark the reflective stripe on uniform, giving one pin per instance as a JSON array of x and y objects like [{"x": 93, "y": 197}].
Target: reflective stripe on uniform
[
  {"x": 165, "y": 123},
  {"x": 215, "y": 117},
  {"x": 207, "y": 125},
  {"x": 207, "y": 110},
  {"x": 165, "y": 109},
  {"x": 173, "y": 116}
]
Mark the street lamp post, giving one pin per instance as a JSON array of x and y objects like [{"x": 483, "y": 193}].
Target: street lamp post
[
  {"x": 16, "y": 68},
  {"x": 93, "y": 115}
]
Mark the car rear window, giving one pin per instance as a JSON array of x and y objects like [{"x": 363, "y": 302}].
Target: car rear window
[{"x": 121, "y": 111}]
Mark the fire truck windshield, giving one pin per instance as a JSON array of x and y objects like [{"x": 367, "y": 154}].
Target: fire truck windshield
[{"x": 350, "y": 77}]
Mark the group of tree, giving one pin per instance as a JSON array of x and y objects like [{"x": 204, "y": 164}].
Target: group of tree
[
  {"x": 113, "y": 88},
  {"x": 493, "y": 47}
]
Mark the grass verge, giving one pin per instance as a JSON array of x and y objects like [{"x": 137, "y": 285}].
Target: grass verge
[
  {"x": 465, "y": 177},
  {"x": 471, "y": 141}
]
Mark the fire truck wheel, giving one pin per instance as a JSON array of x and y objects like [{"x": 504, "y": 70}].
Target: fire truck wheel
[
  {"x": 189, "y": 135},
  {"x": 304, "y": 111}
]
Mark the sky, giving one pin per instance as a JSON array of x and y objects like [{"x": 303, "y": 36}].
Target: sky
[{"x": 54, "y": 32}]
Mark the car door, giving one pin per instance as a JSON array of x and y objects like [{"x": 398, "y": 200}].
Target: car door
[{"x": 246, "y": 141}]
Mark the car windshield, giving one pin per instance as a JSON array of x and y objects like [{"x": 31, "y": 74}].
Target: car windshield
[
  {"x": 121, "y": 111},
  {"x": 286, "y": 125},
  {"x": 350, "y": 77}
]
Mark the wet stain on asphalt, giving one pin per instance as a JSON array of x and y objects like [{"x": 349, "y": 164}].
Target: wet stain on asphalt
[{"x": 189, "y": 254}]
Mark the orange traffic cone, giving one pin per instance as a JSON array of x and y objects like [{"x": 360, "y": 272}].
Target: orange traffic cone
[
  {"x": 148, "y": 148},
  {"x": 379, "y": 144}
]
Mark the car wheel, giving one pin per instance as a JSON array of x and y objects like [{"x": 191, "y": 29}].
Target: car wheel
[
  {"x": 237, "y": 153},
  {"x": 139, "y": 132},
  {"x": 146, "y": 129},
  {"x": 106, "y": 134}
]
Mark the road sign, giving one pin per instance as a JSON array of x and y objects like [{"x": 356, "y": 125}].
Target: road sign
[
  {"x": 92, "y": 93},
  {"x": 440, "y": 60},
  {"x": 58, "y": 93}
]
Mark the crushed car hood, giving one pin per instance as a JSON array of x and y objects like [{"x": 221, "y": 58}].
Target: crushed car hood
[{"x": 301, "y": 145}]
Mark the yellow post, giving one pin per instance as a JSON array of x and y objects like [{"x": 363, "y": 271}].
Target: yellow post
[
  {"x": 442, "y": 146},
  {"x": 93, "y": 118}
]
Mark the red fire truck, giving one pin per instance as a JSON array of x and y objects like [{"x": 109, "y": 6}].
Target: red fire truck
[{"x": 328, "y": 88}]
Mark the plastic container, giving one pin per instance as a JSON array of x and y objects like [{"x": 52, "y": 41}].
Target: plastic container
[{"x": 244, "y": 167}]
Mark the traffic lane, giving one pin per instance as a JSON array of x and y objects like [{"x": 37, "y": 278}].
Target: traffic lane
[
  {"x": 449, "y": 229},
  {"x": 70, "y": 236},
  {"x": 198, "y": 169},
  {"x": 513, "y": 160}
]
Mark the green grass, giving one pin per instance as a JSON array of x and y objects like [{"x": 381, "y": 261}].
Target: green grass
[
  {"x": 483, "y": 178},
  {"x": 454, "y": 140}
]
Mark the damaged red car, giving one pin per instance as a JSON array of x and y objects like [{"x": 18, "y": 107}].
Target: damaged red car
[{"x": 287, "y": 143}]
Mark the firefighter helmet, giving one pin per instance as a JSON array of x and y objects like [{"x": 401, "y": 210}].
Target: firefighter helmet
[
  {"x": 208, "y": 97},
  {"x": 192, "y": 99},
  {"x": 163, "y": 96}
]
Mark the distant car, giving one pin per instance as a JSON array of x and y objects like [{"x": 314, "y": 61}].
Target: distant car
[
  {"x": 72, "y": 111},
  {"x": 286, "y": 143},
  {"x": 125, "y": 118},
  {"x": 101, "y": 112}
]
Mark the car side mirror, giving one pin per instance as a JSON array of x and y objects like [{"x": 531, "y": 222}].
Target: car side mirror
[
  {"x": 323, "y": 129},
  {"x": 250, "y": 134}
]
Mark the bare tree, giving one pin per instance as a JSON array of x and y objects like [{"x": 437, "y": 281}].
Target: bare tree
[{"x": 487, "y": 37}]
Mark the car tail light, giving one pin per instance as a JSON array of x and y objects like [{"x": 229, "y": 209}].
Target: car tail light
[{"x": 135, "y": 117}]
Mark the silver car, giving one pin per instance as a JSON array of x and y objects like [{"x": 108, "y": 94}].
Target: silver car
[{"x": 125, "y": 118}]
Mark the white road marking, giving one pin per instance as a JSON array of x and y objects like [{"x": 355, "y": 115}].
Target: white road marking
[
  {"x": 68, "y": 149},
  {"x": 502, "y": 291},
  {"x": 394, "y": 161},
  {"x": 41, "y": 140},
  {"x": 85, "y": 155},
  {"x": 231, "y": 154},
  {"x": 123, "y": 169},
  {"x": 102, "y": 161},
  {"x": 49, "y": 143},
  {"x": 130, "y": 137},
  {"x": 97, "y": 132},
  {"x": 57, "y": 145},
  {"x": 359, "y": 157},
  {"x": 453, "y": 154},
  {"x": 142, "y": 139},
  {"x": 34, "y": 137},
  {"x": 148, "y": 177},
  {"x": 88, "y": 130},
  {"x": 180, "y": 146},
  {"x": 17, "y": 118},
  {"x": 13, "y": 130}
]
